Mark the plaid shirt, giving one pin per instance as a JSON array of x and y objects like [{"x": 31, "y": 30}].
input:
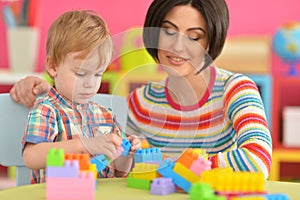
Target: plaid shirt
[{"x": 54, "y": 118}]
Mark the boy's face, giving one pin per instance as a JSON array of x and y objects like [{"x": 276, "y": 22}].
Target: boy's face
[{"x": 79, "y": 80}]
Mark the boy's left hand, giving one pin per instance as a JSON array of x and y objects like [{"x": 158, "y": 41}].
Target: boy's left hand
[{"x": 135, "y": 142}]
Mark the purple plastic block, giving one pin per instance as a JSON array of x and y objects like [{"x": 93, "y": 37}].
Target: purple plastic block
[
  {"x": 162, "y": 186},
  {"x": 70, "y": 169}
]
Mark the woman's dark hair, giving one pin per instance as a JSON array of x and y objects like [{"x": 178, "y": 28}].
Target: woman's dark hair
[{"x": 215, "y": 13}]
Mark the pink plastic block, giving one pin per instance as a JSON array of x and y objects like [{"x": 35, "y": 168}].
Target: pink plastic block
[
  {"x": 70, "y": 169},
  {"x": 82, "y": 187},
  {"x": 162, "y": 186},
  {"x": 200, "y": 165}
]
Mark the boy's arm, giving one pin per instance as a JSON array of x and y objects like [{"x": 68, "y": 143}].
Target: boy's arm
[{"x": 35, "y": 155}]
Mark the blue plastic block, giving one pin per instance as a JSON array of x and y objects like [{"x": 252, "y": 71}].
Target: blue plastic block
[
  {"x": 166, "y": 170},
  {"x": 276, "y": 197},
  {"x": 100, "y": 161},
  {"x": 156, "y": 154},
  {"x": 148, "y": 155},
  {"x": 126, "y": 145}
]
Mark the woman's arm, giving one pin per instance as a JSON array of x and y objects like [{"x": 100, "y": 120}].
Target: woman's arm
[
  {"x": 245, "y": 109},
  {"x": 26, "y": 90}
]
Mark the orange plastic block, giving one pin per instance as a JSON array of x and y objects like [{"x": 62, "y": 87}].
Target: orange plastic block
[
  {"x": 145, "y": 171},
  {"x": 188, "y": 157},
  {"x": 185, "y": 172},
  {"x": 84, "y": 160}
]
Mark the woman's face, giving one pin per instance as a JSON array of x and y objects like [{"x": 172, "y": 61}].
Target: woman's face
[{"x": 182, "y": 41}]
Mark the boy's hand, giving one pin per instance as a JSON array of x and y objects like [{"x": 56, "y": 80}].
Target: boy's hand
[
  {"x": 135, "y": 142},
  {"x": 103, "y": 144}
]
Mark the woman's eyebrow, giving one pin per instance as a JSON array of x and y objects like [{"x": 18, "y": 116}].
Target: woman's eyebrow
[{"x": 190, "y": 29}]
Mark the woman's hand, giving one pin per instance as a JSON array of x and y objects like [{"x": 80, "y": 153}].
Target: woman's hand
[{"x": 26, "y": 90}]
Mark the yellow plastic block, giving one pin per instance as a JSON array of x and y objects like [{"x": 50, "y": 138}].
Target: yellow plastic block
[
  {"x": 201, "y": 153},
  {"x": 234, "y": 182},
  {"x": 185, "y": 172},
  {"x": 145, "y": 171}
]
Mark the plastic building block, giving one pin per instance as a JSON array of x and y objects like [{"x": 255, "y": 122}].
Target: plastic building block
[
  {"x": 162, "y": 186},
  {"x": 229, "y": 182},
  {"x": 185, "y": 172},
  {"x": 148, "y": 155},
  {"x": 93, "y": 168},
  {"x": 82, "y": 187},
  {"x": 126, "y": 145},
  {"x": 145, "y": 171},
  {"x": 276, "y": 197},
  {"x": 201, "y": 153},
  {"x": 261, "y": 197},
  {"x": 84, "y": 160},
  {"x": 166, "y": 170},
  {"x": 70, "y": 169},
  {"x": 138, "y": 183},
  {"x": 55, "y": 157},
  {"x": 100, "y": 161},
  {"x": 156, "y": 154},
  {"x": 188, "y": 157},
  {"x": 200, "y": 165},
  {"x": 203, "y": 191}
]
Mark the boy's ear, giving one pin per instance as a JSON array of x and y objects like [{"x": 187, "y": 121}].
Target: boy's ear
[{"x": 51, "y": 67}]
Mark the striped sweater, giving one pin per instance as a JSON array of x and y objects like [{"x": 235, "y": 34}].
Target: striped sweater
[{"x": 229, "y": 122}]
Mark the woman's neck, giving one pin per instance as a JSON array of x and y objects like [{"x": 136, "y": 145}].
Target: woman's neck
[{"x": 190, "y": 89}]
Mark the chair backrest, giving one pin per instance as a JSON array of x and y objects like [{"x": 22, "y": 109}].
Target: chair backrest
[
  {"x": 13, "y": 118},
  {"x": 118, "y": 105}
]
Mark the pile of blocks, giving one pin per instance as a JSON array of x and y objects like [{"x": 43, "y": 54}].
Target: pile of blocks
[
  {"x": 162, "y": 177},
  {"x": 69, "y": 176},
  {"x": 73, "y": 176},
  {"x": 192, "y": 173}
]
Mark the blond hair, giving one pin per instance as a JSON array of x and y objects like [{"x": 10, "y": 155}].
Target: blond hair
[{"x": 78, "y": 31}]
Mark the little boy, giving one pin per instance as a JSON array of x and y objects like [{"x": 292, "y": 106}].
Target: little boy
[{"x": 79, "y": 49}]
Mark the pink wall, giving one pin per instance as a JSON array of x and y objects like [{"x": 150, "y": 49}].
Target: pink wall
[
  {"x": 247, "y": 17},
  {"x": 119, "y": 15}
]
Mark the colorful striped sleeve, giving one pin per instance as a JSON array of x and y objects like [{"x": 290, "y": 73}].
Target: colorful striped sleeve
[{"x": 245, "y": 109}]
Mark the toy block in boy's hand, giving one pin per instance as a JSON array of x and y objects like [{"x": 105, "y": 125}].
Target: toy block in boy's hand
[{"x": 126, "y": 145}]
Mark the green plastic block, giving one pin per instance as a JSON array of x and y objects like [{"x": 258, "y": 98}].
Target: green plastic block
[
  {"x": 55, "y": 157},
  {"x": 138, "y": 183}
]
